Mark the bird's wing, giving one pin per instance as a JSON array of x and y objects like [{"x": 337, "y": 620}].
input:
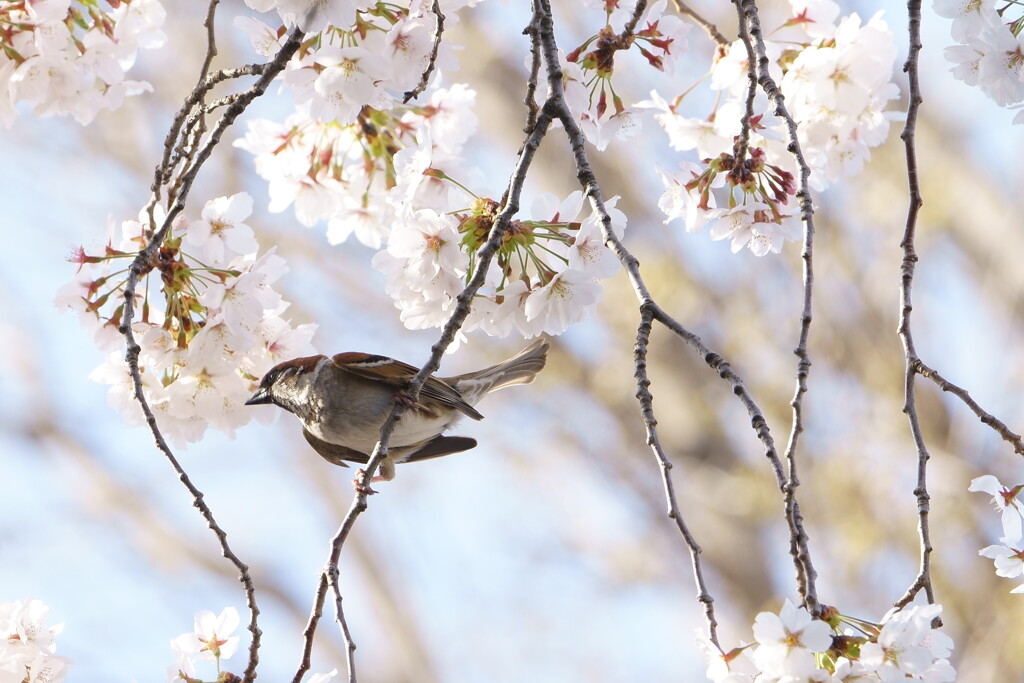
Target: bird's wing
[{"x": 398, "y": 374}]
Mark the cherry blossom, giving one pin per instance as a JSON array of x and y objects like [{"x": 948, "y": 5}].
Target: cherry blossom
[
  {"x": 449, "y": 117},
  {"x": 794, "y": 647},
  {"x": 816, "y": 17},
  {"x": 214, "y": 633},
  {"x": 221, "y": 232},
  {"x": 989, "y": 54},
  {"x": 563, "y": 301},
  {"x": 1009, "y": 561},
  {"x": 211, "y": 640},
  {"x": 908, "y": 647},
  {"x": 966, "y": 63},
  {"x": 408, "y": 45},
  {"x": 348, "y": 81},
  {"x": 27, "y": 644},
  {"x": 262, "y": 36},
  {"x": 725, "y": 667},
  {"x": 588, "y": 253},
  {"x": 838, "y": 92},
  {"x": 428, "y": 243},
  {"x": 358, "y": 161},
  {"x": 323, "y": 678},
  {"x": 678, "y": 202},
  {"x": 787, "y": 641},
  {"x": 1006, "y": 501},
  {"x": 1001, "y": 66},
  {"x": 312, "y": 16},
  {"x": 686, "y": 133},
  {"x": 971, "y": 18}
]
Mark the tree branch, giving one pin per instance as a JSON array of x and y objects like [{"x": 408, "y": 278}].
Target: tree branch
[
  {"x": 708, "y": 27},
  {"x": 133, "y": 349},
  {"x": 211, "y": 39},
  {"x": 634, "y": 19},
  {"x": 923, "y": 580},
  {"x": 986, "y": 418},
  {"x": 799, "y": 542},
  {"x": 648, "y": 306},
  {"x": 743, "y": 139},
  {"x": 530, "y": 99},
  {"x": 425, "y": 78},
  {"x": 646, "y": 399}
]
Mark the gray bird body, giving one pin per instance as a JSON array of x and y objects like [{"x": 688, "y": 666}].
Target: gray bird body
[{"x": 340, "y": 407}]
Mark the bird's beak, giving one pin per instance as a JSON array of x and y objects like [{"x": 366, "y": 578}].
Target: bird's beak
[{"x": 261, "y": 396}]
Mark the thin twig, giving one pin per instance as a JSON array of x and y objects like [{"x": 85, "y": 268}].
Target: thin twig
[
  {"x": 170, "y": 159},
  {"x": 332, "y": 574},
  {"x": 530, "y": 100},
  {"x": 211, "y": 40},
  {"x": 198, "y": 119},
  {"x": 799, "y": 542},
  {"x": 307, "y": 633},
  {"x": 923, "y": 580},
  {"x": 194, "y": 130},
  {"x": 743, "y": 139},
  {"x": 708, "y": 27},
  {"x": 222, "y": 102},
  {"x": 646, "y": 399},
  {"x": 634, "y": 19},
  {"x": 425, "y": 77},
  {"x": 987, "y": 418},
  {"x": 723, "y": 369},
  {"x": 139, "y": 265}
]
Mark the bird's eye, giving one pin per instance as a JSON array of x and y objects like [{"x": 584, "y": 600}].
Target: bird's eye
[{"x": 281, "y": 374}]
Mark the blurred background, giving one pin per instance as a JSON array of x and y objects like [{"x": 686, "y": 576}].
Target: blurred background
[{"x": 545, "y": 554}]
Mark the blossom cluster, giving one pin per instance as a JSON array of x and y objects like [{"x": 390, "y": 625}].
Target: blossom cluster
[
  {"x": 588, "y": 72},
  {"x": 544, "y": 277},
  {"x": 358, "y": 177},
  {"x": 1008, "y": 555},
  {"x": 27, "y": 649},
  {"x": 794, "y": 647},
  {"x": 363, "y": 54},
  {"x": 209, "y": 321},
  {"x": 988, "y": 53},
  {"x": 60, "y": 57},
  {"x": 210, "y": 640},
  {"x": 836, "y": 76},
  {"x": 391, "y": 175}
]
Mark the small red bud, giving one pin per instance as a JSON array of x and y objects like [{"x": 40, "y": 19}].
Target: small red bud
[{"x": 602, "y": 105}]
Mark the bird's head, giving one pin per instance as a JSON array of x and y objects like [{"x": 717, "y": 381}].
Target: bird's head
[{"x": 287, "y": 383}]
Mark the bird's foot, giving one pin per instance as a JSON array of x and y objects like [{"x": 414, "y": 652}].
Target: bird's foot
[
  {"x": 362, "y": 488},
  {"x": 404, "y": 398}
]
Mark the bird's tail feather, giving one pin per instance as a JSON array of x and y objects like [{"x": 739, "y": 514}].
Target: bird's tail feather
[{"x": 519, "y": 369}]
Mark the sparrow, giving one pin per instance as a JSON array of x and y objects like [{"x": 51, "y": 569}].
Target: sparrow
[{"x": 343, "y": 400}]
